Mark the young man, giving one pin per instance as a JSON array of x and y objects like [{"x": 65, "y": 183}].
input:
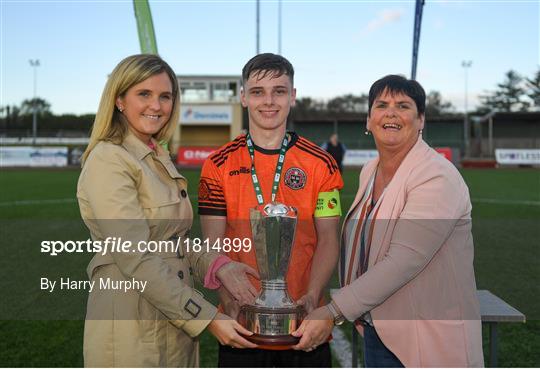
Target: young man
[{"x": 309, "y": 180}]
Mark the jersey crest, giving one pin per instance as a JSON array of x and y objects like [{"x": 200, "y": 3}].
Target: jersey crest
[{"x": 295, "y": 178}]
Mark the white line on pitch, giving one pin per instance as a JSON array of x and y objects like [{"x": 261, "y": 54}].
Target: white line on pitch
[
  {"x": 482, "y": 200},
  {"x": 507, "y": 202},
  {"x": 37, "y": 202},
  {"x": 68, "y": 200}
]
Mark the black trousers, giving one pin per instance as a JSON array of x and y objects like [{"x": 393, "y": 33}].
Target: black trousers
[{"x": 256, "y": 358}]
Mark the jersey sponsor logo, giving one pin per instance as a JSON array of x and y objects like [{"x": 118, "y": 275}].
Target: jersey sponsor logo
[
  {"x": 328, "y": 204},
  {"x": 242, "y": 170},
  {"x": 204, "y": 190},
  {"x": 332, "y": 203},
  {"x": 295, "y": 178}
]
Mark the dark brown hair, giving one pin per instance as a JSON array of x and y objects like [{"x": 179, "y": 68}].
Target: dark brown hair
[
  {"x": 267, "y": 64},
  {"x": 396, "y": 84}
]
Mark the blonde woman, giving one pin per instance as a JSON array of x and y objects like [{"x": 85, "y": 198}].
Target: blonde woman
[{"x": 143, "y": 309}]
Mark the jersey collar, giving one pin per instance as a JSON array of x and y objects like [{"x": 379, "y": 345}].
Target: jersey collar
[{"x": 292, "y": 141}]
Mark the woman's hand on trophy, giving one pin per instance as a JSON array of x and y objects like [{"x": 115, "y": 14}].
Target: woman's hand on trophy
[
  {"x": 227, "y": 331},
  {"x": 230, "y": 305},
  {"x": 233, "y": 277},
  {"x": 314, "y": 330},
  {"x": 308, "y": 301}
]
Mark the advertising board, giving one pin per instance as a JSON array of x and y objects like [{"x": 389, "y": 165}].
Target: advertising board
[
  {"x": 518, "y": 156},
  {"x": 193, "y": 156},
  {"x": 29, "y": 156},
  {"x": 206, "y": 114}
]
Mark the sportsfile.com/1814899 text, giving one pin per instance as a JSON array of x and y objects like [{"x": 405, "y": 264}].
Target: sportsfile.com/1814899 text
[{"x": 117, "y": 244}]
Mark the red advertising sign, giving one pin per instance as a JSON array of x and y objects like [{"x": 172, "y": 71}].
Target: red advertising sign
[
  {"x": 193, "y": 156},
  {"x": 445, "y": 151}
]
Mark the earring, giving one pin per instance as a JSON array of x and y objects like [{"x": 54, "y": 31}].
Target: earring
[
  {"x": 367, "y": 132},
  {"x": 420, "y": 132}
]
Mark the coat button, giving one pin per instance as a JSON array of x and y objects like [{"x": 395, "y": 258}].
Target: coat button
[
  {"x": 181, "y": 274},
  {"x": 183, "y": 193}
]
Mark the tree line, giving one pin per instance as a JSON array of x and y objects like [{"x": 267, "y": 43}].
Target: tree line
[
  {"x": 515, "y": 93},
  {"x": 18, "y": 119},
  {"x": 351, "y": 105}
]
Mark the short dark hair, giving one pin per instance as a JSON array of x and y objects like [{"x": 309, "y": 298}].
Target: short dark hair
[
  {"x": 264, "y": 64},
  {"x": 396, "y": 84}
]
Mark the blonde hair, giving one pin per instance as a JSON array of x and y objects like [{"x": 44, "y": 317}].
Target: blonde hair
[{"x": 111, "y": 125}]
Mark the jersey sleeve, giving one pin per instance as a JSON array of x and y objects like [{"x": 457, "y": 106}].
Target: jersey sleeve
[
  {"x": 326, "y": 177},
  {"x": 211, "y": 196},
  {"x": 330, "y": 180},
  {"x": 328, "y": 199}
]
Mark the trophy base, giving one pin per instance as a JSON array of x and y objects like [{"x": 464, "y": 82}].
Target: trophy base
[
  {"x": 284, "y": 342},
  {"x": 272, "y": 327}
]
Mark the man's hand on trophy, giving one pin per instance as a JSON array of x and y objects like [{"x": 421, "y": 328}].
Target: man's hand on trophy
[
  {"x": 314, "y": 330},
  {"x": 308, "y": 302},
  {"x": 234, "y": 278},
  {"x": 227, "y": 331}
]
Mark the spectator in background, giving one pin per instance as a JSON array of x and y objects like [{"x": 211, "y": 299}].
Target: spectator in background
[{"x": 336, "y": 149}]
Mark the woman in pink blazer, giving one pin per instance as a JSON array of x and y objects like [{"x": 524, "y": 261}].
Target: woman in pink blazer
[{"x": 407, "y": 259}]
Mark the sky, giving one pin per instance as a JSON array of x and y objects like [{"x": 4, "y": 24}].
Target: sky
[{"x": 337, "y": 47}]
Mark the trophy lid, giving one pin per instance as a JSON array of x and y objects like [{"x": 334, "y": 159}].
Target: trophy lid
[{"x": 276, "y": 209}]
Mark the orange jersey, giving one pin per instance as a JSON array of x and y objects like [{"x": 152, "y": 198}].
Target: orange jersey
[{"x": 226, "y": 189}]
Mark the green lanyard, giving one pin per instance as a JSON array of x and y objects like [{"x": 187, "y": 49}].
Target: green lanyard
[{"x": 277, "y": 175}]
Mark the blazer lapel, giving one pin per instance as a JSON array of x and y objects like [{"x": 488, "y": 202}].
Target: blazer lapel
[{"x": 365, "y": 175}]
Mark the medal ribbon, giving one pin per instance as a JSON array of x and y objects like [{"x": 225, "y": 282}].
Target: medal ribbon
[{"x": 277, "y": 173}]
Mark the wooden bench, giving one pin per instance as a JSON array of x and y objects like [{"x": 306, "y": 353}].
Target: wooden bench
[{"x": 493, "y": 310}]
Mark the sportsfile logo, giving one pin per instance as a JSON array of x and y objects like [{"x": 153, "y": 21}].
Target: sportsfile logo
[{"x": 242, "y": 170}]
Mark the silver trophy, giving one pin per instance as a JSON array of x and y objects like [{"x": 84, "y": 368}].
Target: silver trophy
[{"x": 274, "y": 315}]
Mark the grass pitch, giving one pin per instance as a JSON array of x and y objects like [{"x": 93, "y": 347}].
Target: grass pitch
[{"x": 45, "y": 330}]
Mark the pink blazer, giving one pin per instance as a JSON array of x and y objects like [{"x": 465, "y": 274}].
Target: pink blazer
[{"x": 420, "y": 286}]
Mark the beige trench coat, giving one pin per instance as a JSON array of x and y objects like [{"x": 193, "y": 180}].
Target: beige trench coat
[{"x": 128, "y": 191}]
